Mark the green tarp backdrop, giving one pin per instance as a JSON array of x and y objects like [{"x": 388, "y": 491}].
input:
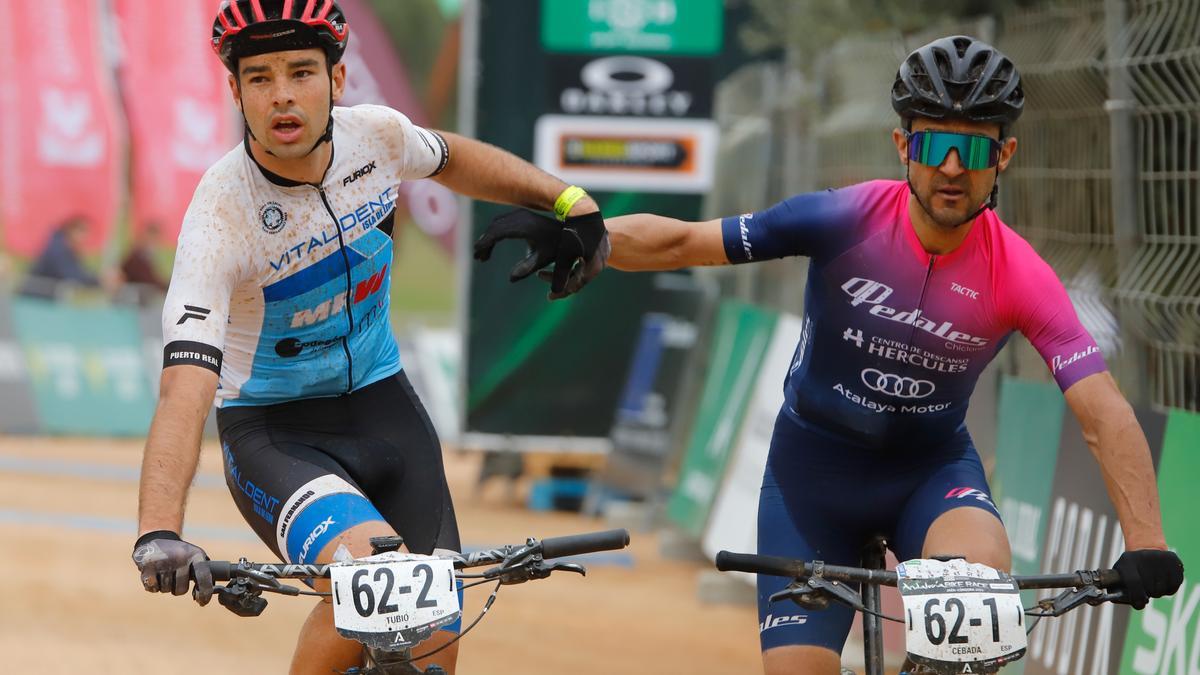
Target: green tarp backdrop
[
  {"x": 87, "y": 367},
  {"x": 740, "y": 340}
]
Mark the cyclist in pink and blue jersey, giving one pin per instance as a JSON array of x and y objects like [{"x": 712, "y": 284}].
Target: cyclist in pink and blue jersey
[{"x": 914, "y": 286}]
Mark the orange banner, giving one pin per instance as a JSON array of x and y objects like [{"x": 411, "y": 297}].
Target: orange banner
[
  {"x": 60, "y": 143},
  {"x": 181, "y": 115}
]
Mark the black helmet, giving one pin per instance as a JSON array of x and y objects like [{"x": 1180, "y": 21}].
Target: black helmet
[
  {"x": 959, "y": 77},
  {"x": 252, "y": 27}
]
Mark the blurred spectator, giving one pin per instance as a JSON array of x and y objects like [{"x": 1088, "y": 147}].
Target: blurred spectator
[
  {"x": 62, "y": 261},
  {"x": 138, "y": 266}
]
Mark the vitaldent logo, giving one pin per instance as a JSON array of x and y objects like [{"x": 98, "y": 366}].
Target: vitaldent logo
[{"x": 866, "y": 291}]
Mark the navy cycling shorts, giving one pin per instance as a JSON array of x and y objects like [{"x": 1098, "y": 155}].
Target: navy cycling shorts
[
  {"x": 306, "y": 471},
  {"x": 822, "y": 499}
]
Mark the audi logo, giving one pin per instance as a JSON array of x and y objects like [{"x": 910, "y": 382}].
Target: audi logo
[{"x": 896, "y": 385}]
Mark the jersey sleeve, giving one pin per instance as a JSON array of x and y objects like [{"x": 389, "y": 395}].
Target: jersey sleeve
[
  {"x": 1039, "y": 307},
  {"x": 196, "y": 310},
  {"x": 419, "y": 152},
  {"x": 805, "y": 224}
]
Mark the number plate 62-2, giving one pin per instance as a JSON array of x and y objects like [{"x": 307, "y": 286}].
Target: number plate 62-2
[{"x": 392, "y": 601}]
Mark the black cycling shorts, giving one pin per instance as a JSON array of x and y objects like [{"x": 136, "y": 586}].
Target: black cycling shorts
[{"x": 304, "y": 472}]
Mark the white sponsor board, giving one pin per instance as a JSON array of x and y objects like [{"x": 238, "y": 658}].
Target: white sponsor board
[
  {"x": 733, "y": 524},
  {"x": 628, "y": 153}
]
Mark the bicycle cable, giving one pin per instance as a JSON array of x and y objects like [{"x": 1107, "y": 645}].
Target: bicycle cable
[{"x": 486, "y": 606}]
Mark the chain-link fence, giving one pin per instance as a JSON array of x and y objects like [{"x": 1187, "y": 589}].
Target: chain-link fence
[{"x": 1104, "y": 183}]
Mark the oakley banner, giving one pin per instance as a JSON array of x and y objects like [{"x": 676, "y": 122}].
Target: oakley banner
[{"x": 536, "y": 368}]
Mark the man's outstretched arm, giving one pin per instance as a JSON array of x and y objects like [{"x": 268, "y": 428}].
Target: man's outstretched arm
[
  {"x": 485, "y": 172},
  {"x": 646, "y": 242}
]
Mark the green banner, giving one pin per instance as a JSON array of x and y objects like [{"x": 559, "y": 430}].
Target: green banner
[
  {"x": 1164, "y": 639},
  {"x": 693, "y": 27},
  {"x": 86, "y": 366},
  {"x": 1028, "y": 428},
  {"x": 739, "y": 342},
  {"x": 1030, "y": 424}
]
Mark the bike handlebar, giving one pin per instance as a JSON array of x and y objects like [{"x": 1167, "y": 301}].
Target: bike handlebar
[
  {"x": 799, "y": 569},
  {"x": 592, "y": 542},
  {"x": 554, "y": 547}
]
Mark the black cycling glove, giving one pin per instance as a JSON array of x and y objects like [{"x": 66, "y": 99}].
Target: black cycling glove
[
  {"x": 582, "y": 254},
  {"x": 564, "y": 244},
  {"x": 1148, "y": 573},
  {"x": 539, "y": 232},
  {"x": 165, "y": 562}
]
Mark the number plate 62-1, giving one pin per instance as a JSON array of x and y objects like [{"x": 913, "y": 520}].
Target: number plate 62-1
[
  {"x": 961, "y": 617},
  {"x": 392, "y": 601}
]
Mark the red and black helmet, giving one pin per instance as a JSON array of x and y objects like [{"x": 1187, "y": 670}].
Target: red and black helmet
[{"x": 252, "y": 27}]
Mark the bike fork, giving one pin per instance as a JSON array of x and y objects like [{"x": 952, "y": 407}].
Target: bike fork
[{"x": 873, "y": 557}]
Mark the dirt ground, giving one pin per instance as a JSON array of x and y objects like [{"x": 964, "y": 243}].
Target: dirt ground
[{"x": 70, "y": 600}]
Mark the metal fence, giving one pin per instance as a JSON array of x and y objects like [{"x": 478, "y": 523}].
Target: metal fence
[{"x": 1104, "y": 183}]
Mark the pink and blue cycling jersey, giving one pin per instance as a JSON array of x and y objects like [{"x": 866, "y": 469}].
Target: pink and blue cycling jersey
[{"x": 894, "y": 338}]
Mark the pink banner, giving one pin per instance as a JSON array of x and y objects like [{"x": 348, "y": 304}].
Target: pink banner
[
  {"x": 375, "y": 74},
  {"x": 182, "y": 118},
  {"x": 60, "y": 145}
]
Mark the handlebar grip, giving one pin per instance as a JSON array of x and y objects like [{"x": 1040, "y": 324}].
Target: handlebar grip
[
  {"x": 1109, "y": 579},
  {"x": 222, "y": 570},
  {"x": 759, "y": 564},
  {"x": 576, "y": 544}
]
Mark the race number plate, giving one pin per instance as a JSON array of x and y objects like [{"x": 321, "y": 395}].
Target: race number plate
[
  {"x": 392, "y": 601},
  {"x": 961, "y": 617}
]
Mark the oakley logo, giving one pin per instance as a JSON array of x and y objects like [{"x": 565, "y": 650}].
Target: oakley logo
[
  {"x": 198, "y": 313},
  {"x": 896, "y": 385}
]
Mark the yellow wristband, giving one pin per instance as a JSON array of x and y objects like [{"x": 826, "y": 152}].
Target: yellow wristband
[{"x": 567, "y": 200}]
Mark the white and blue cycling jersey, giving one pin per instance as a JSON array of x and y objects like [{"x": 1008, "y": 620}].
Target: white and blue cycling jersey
[{"x": 283, "y": 287}]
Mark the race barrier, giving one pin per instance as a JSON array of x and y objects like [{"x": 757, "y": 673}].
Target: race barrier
[{"x": 85, "y": 366}]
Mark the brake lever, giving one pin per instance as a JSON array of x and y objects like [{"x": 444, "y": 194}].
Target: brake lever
[
  {"x": 534, "y": 568},
  {"x": 1072, "y": 598},
  {"x": 815, "y": 593}
]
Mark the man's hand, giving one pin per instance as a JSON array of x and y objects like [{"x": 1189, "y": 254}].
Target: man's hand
[
  {"x": 165, "y": 562},
  {"x": 584, "y": 240},
  {"x": 1149, "y": 573},
  {"x": 580, "y": 238}
]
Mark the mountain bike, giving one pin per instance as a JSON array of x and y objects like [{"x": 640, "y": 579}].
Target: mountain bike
[
  {"x": 960, "y": 617},
  {"x": 392, "y": 601}
]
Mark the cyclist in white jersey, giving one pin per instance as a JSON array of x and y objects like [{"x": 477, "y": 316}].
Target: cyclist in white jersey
[{"x": 278, "y": 311}]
